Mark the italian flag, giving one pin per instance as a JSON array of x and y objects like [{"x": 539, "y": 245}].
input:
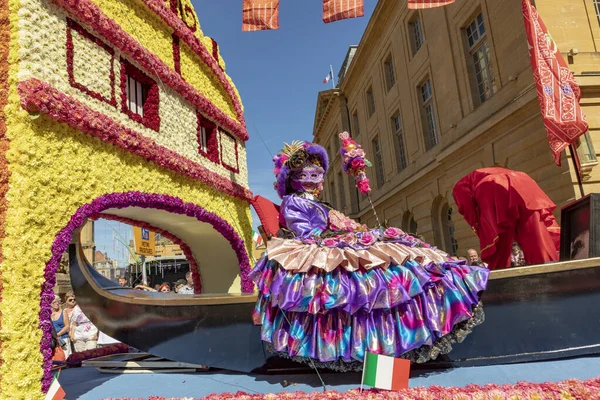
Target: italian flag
[
  {"x": 385, "y": 372},
  {"x": 56, "y": 391}
]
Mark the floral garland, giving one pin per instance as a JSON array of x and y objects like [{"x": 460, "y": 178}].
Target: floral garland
[
  {"x": 354, "y": 162},
  {"x": 4, "y": 141},
  {"x": 565, "y": 390},
  {"x": 90, "y": 15},
  {"x": 151, "y": 118},
  {"x": 73, "y": 26},
  {"x": 123, "y": 200},
  {"x": 215, "y": 51},
  {"x": 176, "y": 54},
  {"x": 75, "y": 359},
  {"x": 187, "y": 35},
  {"x": 187, "y": 252},
  {"x": 38, "y": 96}
]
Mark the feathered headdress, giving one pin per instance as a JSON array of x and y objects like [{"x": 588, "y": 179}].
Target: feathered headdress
[{"x": 292, "y": 157}]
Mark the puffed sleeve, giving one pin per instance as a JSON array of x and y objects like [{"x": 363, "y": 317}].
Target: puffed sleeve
[
  {"x": 301, "y": 216},
  {"x": 465, "y": 200}
]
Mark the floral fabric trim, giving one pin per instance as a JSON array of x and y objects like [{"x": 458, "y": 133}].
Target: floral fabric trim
[
  {"x": 184, "y": 247},
  {"x": 75, "y": 359},
  {"x": 39, "y": 96},
  {"x": 91, "y": 15},
  {"x": 122, "y": 200}
]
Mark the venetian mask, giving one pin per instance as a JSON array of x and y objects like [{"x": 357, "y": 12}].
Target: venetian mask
[{"x": 309, "y": 179}]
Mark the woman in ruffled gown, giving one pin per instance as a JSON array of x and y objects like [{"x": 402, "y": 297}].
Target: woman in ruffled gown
[{"x": 330, "y": 289}]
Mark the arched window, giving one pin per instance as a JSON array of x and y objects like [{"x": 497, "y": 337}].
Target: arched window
[
  {"x": 448, "y": 229},
  {"x": 409, "y": 225},
  {"x": 443, "y": 226}
]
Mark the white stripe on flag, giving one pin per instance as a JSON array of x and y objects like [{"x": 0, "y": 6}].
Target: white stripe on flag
[{"x": 385, "y": 370}]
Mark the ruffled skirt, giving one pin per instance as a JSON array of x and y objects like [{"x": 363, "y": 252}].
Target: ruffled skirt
[{"x": 414, "y": 310}]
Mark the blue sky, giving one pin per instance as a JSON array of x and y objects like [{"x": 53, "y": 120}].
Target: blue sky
[{"x": 278, "y": 74}]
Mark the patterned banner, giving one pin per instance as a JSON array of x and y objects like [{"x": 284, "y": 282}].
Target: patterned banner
[
  {"x": 335, "y": 10},
  {"x": 258, "y": 15},
  {"x": 417, "y": 4},
  {"x": 557, "y": 90}
]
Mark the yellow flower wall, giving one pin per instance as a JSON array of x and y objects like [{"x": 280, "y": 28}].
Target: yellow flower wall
[{"x": 54, "y": 170}]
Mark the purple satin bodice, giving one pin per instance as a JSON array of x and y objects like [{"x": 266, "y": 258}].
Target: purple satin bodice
[{"x": 302, "y": 215}]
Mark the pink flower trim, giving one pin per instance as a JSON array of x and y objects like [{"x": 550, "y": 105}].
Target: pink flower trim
[
  {"x": 568, "y": 389},
  {"x": 176, "y": 54},
  {"x": 89, "y": 14},
  {"x": 74, "y": 26},
  {"x": 75, "y": 359},
  {"x": 233, "y": 168},
  {"x": 215, "y": 51},
  {"x": 212, "y": 145},
  {"x": 187, "y": 35},
  {"x": 39, "y": 96},
  {"x": 184, "y": 247},
  {"x": 123, "y": 200}
]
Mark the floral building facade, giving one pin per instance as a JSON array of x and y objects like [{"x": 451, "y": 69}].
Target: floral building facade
[{"x": 107, "y": 105}]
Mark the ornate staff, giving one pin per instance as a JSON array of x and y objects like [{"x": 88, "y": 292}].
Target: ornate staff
[{"x": 354, "y": 163}]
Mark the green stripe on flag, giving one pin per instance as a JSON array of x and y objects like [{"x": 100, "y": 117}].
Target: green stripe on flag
[{"x": 370, "y": 368}]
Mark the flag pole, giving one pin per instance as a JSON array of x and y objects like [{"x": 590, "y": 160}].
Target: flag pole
[
  {"x": 332, "y": 77},
  {"x": 362, "y": 379}
]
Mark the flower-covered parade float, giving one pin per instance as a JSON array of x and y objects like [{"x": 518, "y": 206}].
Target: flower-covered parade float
[{"x": 119, "y": 108}]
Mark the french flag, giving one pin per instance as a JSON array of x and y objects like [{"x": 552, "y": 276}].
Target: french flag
[{"x": 328, "y": 77}]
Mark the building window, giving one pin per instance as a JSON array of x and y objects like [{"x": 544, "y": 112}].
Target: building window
[
  {"x": 355, "y": 126},
  {"x": 399, "y": 142},
  {"x": 428, "y": 114},
  {"x": 585, "y": 149},
  {"x": 370, "y": 101},
  {"x": 332, "y": 193},
  {"x": 207, "y": 138},
  {"x": 416, "y": 34},
  {"x": 450, "y": 242},
  {"x": 139, "y": 96},
  {"x": 409, "y": 224},
  {"x": 388, "y": 70},
  {"x": 479, "y": 54},
  {"x": 597, "y": 8},
  {"x": 379, "y": 173},
  {"x": 342, "y": 192}
]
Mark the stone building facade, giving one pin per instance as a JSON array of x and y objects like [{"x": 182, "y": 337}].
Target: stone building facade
[{"x": 433, "y": 94}]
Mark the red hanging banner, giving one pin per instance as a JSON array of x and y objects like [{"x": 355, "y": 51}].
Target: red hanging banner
[
  {"x": 557, "y": 90},
  {"x": 335, "y": 10},
  {"x": 258, "y": 15},
  {"x": 417, "y": 4}
]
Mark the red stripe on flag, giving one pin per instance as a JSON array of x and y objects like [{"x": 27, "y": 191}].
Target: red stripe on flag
[
  {"x": 558, "y": 92},
  {"x": 335, "y": 10},
  {"x": 258, "y": 15},
  {"x": 419, "y": 4},
  {"x": 401, "y": 374}
]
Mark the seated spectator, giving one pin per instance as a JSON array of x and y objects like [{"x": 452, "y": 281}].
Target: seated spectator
[
  {"x": 178, "y": 285},
  {"x": 517, "y": 258},
  {"x": 122, "y": 281},
  {"x": 473, "y": 258},
  {"x": 164, "y": 288},
  {"x": 188, "y": 288},
  {"x": 83, "y": 333},
  {"x": 145, "y": 288}
]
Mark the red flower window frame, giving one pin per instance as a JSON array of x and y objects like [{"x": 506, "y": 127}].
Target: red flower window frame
[
  {"x": 151, "y": 118},
  {"x": 74, "y": 26},
  {"x": 231, "y": 168},
  {"x": 212, "y": 147}
]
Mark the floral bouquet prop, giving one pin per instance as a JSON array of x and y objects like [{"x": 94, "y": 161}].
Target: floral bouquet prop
[{"x": 354, "y": 162}]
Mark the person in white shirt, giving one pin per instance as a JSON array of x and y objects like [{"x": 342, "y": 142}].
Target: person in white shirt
[{"x": 189, "y": 287}]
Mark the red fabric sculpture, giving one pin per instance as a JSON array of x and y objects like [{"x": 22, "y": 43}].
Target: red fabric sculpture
[{"x": 503, "y": 206}]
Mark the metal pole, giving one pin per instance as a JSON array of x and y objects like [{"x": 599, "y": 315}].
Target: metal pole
[
  {"x": 577, "y": 165},
  {"x": 144, "y": 277}
]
